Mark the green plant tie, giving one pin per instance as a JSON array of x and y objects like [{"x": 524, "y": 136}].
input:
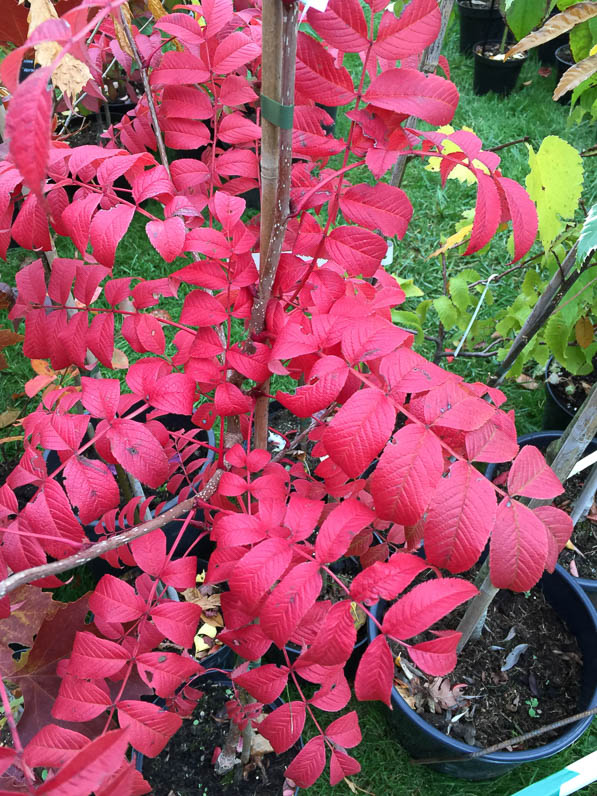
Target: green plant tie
[{"x": 276, "y": 113}]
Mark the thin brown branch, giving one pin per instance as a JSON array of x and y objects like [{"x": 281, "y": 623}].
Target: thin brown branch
[
  {"x": 13, "y": 582},
  {"x": 522, "y": 140},
  {"x": 148, "y": 92}
]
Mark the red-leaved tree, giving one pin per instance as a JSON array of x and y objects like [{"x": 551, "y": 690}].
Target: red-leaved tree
[{"x": 394, "y": 437}]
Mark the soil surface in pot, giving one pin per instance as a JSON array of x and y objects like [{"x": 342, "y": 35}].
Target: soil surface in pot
[
  {"x": 571, "y": 390},
  {"x": 492, "y": 51},
  {"x": 498, "y": 691},
  {"x": 184, "y": 767},
  {"x": 584, "y": 535}
]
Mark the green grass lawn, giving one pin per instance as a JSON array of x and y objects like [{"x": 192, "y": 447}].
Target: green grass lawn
[{"x": 529, "y": 111}]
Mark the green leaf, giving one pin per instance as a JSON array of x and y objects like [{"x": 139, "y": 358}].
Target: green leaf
[
  {"x": 409, "y": 320},
  {"x": 572, "y": 304},
  {"x": 554, "y": 184},
  {"x": 582, "y": 38},
  {"x": 447, "y": 312},
  {"x": 459, "y": 292},
  {"x": 524, "y": 15},
  {"x": 409, "y": 287},
  {"x": 532, "y": 286},
  {"x": 587, "y": 242}
]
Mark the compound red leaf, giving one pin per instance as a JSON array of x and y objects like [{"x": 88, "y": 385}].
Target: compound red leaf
[
  {"x": 438, "y": 656},
  {"x": 167, "y": 237},
  {"x": 91, "y": 487},
  {"x": 53, "y": 746},
  {"x": 100, "y": 338},
  {"x": 289, "y": 602},
  {"x": 149, "y": 726},
  {"x": 177, "y": 621},
  {"x": 383, "y": 207},
  {"x": 80, "y": 700},
  {"x": 233, "y": 51},
  {"x": 342, "y": 25},
  {"x": 340, "y": 527},
  {"x": 385, "y": 580},
  {"x": 375, "y": 675},
  {"x": 113, "y": 600},
  {"x": 179, "y": 69},
  {"x": 107, "y": 230},
  {"x": 259, "y": 569},
  {"x": 89, "y": 768},
  {"x": 180, "y": 573},
  {"x": 531, "y": 476},
  {"x": 413, "y": 93},
  {"x": 341, "y": 766},
  {"x": 166, "y": 671},
  {"x": 356, "y": 249},
  {"x": 519, "y": 547},
  {"x": 460, "y": 518},
  {"x": 409, "y": 34},
  {"x": 31, "y": 109},
  {"x": 487, "y": 213},
  {"x": 284, "y": 725},
  {"x": 265, "y": 683},
  {"x": 523, "y": 214},
  {"x": 138, "y": 451},
  {"x": 174, "y": 393},
  {"x": 229, "y": 400},
  {"x": 424, "y": 605},
  {"x": 318, "y": 77},
  {"x": 345, "y": 730},
  {"x": 359, "y": 430},
  {"x": 100, "y": 396},
  {"x": 308, "y": 765},
  {"x": 149, "y": 552},
  {"x": 407, "y": 474},
  {"x": 559, "y": 527},
  {"x": 201, "y": 309},
  {"x": 96, "y": 657},
  {"x": 335, "y": 638}
]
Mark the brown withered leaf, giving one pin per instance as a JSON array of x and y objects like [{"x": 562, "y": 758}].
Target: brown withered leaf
[
  {"x": 555, "y": 26},
  {"x": 71, "y": 74},
  {"x": 574, "y": 76},
  {"x": 208, "y": 602},
  {"x": 29, "y": 607},
  {"x": 156, "y": 9},
  {"x": 8, "y": 337},
  {"x": 118, "y": 28},
  {"x": 584, "y": 331},
  {"x": 527, "y": 382}
]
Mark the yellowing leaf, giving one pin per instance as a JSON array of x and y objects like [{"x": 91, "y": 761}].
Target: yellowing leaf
[
  {"x": 554, "y": 184},
  {"x": 460, "y": 173},
  {"x": 8, "y": 417},
  {"x": 454, "y": 240},
  {"x": 555, "y": 26},
  {"x": 574, "y": 76},
  {"x": 119, "y": 360},
  {"x": 584, "y": 332}
]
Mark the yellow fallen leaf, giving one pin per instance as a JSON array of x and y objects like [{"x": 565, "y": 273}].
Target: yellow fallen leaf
[{"x": 8, "y": 417}]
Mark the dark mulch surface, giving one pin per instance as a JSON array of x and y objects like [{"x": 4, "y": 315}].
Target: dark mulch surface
[
  {"x": 543, "y": 686},
  {"x": 584, "y": 535},
  {"x": 184, "y": 768}
]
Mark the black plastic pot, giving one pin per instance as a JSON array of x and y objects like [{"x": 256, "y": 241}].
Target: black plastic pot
[
  {"x": 564, "y": 61},
  {"x": 494, "y": 75},
  {"x": 421, "y": 740},
  {"x": 217, "y": 677},
  {"x": 479, "y": 23},
  {"x": 541, "y": 440},
  {"x": 556, "y": 413}
]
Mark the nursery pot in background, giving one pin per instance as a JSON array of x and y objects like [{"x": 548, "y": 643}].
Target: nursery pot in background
[
  {"x": 422, "y": 740},
  {"x": 564, "y": 61},
  {"x": 541, "y": 440},
  {"x": 491, "y": 72},
  {"x": 480, "y": 21},
  {"x": 557, "y": 413}
]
